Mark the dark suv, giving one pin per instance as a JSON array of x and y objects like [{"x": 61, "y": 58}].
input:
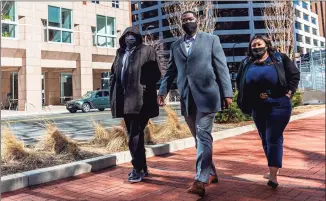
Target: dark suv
[{"x": 98, "y": 99}]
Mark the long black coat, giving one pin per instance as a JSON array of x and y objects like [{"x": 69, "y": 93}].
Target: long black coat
[{"x": 138, "y": 95}]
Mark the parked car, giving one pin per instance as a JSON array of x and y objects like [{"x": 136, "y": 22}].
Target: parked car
[{"x": 98, "y": 99}]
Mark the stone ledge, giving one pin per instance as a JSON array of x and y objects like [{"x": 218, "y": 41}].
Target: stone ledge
[{"x": 44, "y": 175}]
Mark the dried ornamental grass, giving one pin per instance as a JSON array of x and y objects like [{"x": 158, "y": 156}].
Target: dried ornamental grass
[
  {"x": 11, "y": 147},
  {"x": 114, "y": 139},
  {"x": 57, "y": 142},
  {"x": 170, "y": 130},
  {"x": 149, "y": 132},
  {"x": 102, "y": 135},
  {"x": 119, "y": 139}
]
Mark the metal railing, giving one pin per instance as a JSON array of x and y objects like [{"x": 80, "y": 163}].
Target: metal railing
[{"x": 312, "y": 70}]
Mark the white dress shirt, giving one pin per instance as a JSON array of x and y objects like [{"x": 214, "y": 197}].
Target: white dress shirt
[{"x": 188, "y": 43}]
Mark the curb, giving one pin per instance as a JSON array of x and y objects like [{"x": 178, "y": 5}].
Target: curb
[
  {"x": 44, "y": 175},
  {"x": 50, "y": 112}
]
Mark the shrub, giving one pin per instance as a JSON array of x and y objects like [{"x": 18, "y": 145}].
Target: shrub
[
  {"x": 233, "y": 114},
  {"x": 297, "y": 99}
]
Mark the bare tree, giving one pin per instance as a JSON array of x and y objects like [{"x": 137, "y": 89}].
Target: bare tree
[
  {"x": 279, "y": 23},
  {"x": 156, "y": 43},
  {"x": 204, "y": 10}
]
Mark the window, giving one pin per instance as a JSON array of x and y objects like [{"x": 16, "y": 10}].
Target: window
[
  {"x": 134, "y": 7},
  {"x": 300, "y": 50},
  {"x": 14, "y": 85},
  {"x": 262, "y": 1},
  {"x": 134, "y": 17},
  {"x": 66, "y": 87},
  {"x": 150, "y": 25},
  {"x": 306, "y": 17},
  {"x": 229, "y": 2},
  {"x": 163, "y": 11},
  {"x": 232, "y": 25},
  {"x": 97, "y": 2},
  {"x": 322, "y": 44},
  {"x": 154, "y": 36},
  {"x": 304, "y": 5},
  {"x": 232, "y": 12},
  {"x": 259, "y": 24},
  {"x": 59, "y": 25},
  {"x": 105, "y": 34},
  {"x": 145, "y": 4},
  {"x": 299, "y": 38},
  {"x": 149, "y": 14},
  {"x": 99, "y": 94},
  {"x": 315, "y": 42},
  {"x": 296, "y": 3},
  {"x": 167, "y": 34},
  {"x": 308, "y": 40},
  {"x": 242, "y": 51},
  {"x": 165, "y": 23},
  {"x": 8, "y": 20},
  {"x": 106, "y": 93},
  {"x": 298, "y": 25},
  {"x": 314, "y": 31},
  {"x": 297, "y": 13},
  {"x": 307, "y": 28},
  {"x": 243, "y": 38},
  {"x": 258, "y": 11},
  {"x": 105, "y": 77},
  {"x": 313, "y": 20},
  {"x": 115, "y": 4}
]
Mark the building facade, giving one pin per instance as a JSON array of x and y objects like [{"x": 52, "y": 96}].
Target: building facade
[
  {"x": 307, "y": 27},
  {"x": 236, "y": 23},
  {"x": 319, "y": 7},
  {"x": 52, "y": 52}
]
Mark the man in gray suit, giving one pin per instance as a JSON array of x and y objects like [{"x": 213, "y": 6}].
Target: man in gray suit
[{"x": 204, "y": 84}]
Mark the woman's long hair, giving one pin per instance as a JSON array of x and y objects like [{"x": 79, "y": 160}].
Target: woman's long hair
[{"x": 270, "y": 49}]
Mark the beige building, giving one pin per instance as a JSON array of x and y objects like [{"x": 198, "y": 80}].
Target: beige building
[{"x": 52, "y": 52}]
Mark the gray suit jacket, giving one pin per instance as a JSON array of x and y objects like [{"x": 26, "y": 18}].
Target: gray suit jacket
[{"x": 204, "y": 74}]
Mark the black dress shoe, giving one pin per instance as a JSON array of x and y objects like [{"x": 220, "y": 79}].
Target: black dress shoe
[
  {"x": 272, "y": 184},
  {"x": 197, "y": 188}
]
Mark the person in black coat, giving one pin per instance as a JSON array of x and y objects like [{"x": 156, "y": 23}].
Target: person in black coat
[
  {"x": 134, "y": 74},
  {"x": 266, "y": 83}
]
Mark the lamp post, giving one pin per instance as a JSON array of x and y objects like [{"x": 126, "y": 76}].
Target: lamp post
[
  {"x": 233, "y": 63},
  {"x": 233, "y": 53}
]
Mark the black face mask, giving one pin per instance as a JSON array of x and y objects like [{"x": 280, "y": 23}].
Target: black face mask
[
  {"x": 259, "y": 52},
  {"x": 130, "y": 41},
  {"x": 190, "y": 27}
]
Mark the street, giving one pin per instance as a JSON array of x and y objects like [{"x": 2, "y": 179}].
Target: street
[{"x": 78, "y": 126}]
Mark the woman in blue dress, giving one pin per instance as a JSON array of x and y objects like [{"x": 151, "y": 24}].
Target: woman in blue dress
[{"x": 266, "y": 82}]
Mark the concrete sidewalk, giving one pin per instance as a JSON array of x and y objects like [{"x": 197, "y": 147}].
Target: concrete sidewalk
[{"x": 239, "y": 160}]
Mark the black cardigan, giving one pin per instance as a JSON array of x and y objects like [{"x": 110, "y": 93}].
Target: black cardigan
[{"x": 288, "y": 79}]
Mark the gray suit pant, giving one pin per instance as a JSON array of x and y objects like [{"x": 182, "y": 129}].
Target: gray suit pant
[{"x": 200, "y": 125}]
